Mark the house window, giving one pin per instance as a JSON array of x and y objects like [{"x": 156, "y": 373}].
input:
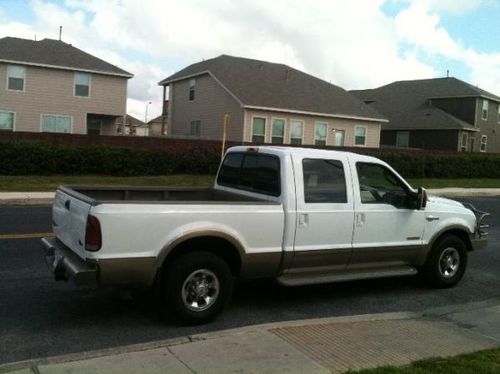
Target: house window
[
  {"x": 6, "y": 121},
  {"x": 56, "y": 123},
  {"x": 94, "y": 126},
  {"x": 484, "y": 113},
  {"x": 278, "y": 132},
  {"x": 296, "y": 132},
  {"x": 192, "y": 84},
  {"x": 82, "y": 84},
  {"x": 258, "y": 130},
  {"x": 339, "y": 138},
  {"x": 15, "y": 77},
  {"x": 320, "y": 134},
  {"x": 195, "y": 128},
  {"x": 402, "y": 139},
  {"x": 498, "y": 114},
  {"x": 360, "y": 135},
  {"x": 463, "y": 142},
  {"x": 484, "y": 143}
]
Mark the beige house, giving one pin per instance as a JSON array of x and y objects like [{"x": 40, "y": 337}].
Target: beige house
[
  {"x": 267, "y": 103},
  {"x": 157, "y": 124},
  {"x": 51, "y": 86}
]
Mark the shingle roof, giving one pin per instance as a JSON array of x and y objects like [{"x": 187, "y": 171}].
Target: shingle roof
[
  {"x": 54, "y": 53},
  {"x": 276, "y": 86},
  {"x": 130, "y": 120},
  {"x": 406, "y": 103}
]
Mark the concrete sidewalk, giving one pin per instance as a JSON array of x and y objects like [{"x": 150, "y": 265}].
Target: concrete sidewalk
[
  {"x": 46, "y": 198},
  {"x": 312, "y": 346}
]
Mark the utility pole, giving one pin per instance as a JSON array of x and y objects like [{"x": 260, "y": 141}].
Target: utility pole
[{"x": 227, "y": 118}]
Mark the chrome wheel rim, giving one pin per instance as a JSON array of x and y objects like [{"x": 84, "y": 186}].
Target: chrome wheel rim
[
  {"x": 200, "y": 290},
  {"x": 449, "y": 262}
]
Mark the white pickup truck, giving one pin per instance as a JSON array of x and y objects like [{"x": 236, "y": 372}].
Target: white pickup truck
[{"x": 300, "y": 216}]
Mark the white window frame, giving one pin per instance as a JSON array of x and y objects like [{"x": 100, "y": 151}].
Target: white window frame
[
  {"x": 196, "y": 123},
  {"x": 74, "y": 85},
  {"x": 24, "y": 79},
  {"x": 302, "y": 124},
  {"x": 316, "y": 123},
  {"x": 284, "y": 128},
  {"x": 498, "y": 114},
  {"x": 56, "y": 115},
  {"x": 483, "y": 109},
  {"x": 266, "y": 120},
  {"x": 193, "y": 86},
  {"x": 366, "y": 136},
  {"x": 13, "y": 119},
  {"x": 343, "y": 137},
  {"x": 484, "y": 141},
  {"x": 463, "y": 147}
]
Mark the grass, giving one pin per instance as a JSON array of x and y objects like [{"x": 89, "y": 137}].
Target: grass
[
  {"x": 28, "y": 183},
  {"x": 468, "y": 183},
  {"x": 481, "y": 362},
  {"x": 50, "y": 183}
]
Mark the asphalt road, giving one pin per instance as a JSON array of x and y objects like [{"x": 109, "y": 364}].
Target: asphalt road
[{"x": 40, "y": 317}]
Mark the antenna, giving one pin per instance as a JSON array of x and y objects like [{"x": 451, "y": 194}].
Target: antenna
[{"x": 60, "y": 32}]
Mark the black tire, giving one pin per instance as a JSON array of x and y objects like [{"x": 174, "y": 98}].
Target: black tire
[
  {"x": 437, "y": 271},
  {"x": 213, "y": 276}
]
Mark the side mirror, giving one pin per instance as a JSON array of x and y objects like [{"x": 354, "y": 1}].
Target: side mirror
[{"x": 421, "y": 198}]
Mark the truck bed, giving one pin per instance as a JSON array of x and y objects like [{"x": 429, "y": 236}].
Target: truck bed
[{"x": 99, "y": 195}]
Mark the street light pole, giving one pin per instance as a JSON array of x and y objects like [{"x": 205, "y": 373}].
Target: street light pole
[{"x": 146, "y": 116}]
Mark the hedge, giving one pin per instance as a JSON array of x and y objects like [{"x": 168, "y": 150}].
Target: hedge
[{"x": 41, "y": 158}]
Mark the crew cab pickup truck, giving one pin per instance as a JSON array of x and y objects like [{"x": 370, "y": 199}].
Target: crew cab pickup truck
[{"x": 300, "y": 216}]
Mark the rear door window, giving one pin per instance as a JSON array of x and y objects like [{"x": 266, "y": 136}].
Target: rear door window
[
  {"x": 258, "y": 173},
  {"x": 324, "y": 181}
]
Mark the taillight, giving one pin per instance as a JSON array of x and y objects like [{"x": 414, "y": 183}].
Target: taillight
[{"x": 93, "y": 237}]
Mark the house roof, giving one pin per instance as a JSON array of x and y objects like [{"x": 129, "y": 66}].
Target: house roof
[
  {"x": 157, "y": 119},
  {"x": 54, "y": 54},
  {"x": 131, "y": 120},
  {"x": 408, "y": 104},
  {"x": 269, "y": 86}
]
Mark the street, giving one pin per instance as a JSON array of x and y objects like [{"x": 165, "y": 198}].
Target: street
[{"x": 40, "y": 317}]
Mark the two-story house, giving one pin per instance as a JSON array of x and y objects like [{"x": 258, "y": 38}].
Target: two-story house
[
  {"x": 267, "y": 103},
  {"x": 441, "y": 113},
  {"x": 51, "y": 86}
]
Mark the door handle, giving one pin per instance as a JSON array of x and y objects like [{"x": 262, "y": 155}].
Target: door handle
[
  {"x": 303, "y": 220},
  {"x": 431, "y": 218},
  {"x": 360, "y": 219}
]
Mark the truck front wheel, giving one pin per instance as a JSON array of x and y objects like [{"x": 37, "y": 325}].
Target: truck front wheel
[
  {"x": 197, "y": 287},
  {"x": 446, "y": 263}
]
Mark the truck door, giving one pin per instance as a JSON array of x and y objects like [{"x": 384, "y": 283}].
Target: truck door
[
  {"x": 325, "y": 214},
  {"x": 387, "y": 230}
]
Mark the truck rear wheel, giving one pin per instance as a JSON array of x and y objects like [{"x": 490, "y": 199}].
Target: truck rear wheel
[
  {"x": 446, "y": 263},
  {"x": 197, "y": 287}
]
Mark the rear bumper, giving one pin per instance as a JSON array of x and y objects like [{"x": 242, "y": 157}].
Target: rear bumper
[{"x": 66, "y": 265}]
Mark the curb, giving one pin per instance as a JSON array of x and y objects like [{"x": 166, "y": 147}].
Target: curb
[
  {"x": 26, "y": 198},
  {"x": 8, "y": 367}
]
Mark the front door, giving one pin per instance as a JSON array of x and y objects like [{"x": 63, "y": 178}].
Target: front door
[
  {"x": 387, "y": 230},
  {"x": 325, "y": 214}
]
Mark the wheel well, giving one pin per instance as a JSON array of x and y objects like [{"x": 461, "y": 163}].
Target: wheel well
[
  {"x": 218, "y": 246},
  {"x": 459, "y": 233}
]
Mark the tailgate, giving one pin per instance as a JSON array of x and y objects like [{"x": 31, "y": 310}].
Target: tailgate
[{"x": 69, "y": 220}]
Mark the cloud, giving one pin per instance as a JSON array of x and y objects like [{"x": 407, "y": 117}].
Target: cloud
[{"x": 350, "y": 43}]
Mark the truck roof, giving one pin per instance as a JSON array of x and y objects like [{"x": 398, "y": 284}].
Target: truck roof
[{"x": 283, "y": 150}]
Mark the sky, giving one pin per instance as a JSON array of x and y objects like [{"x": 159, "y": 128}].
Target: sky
[{"x": 354, "y": 44}]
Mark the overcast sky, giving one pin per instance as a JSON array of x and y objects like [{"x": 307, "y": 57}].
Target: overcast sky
[{"x": 351, "y": 43}]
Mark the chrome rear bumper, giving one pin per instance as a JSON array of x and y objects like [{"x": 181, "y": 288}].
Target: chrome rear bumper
[{"x": 66, "y": 265}]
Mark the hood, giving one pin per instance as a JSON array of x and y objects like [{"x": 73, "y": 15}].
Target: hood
[{"x": 446, "y": 202}]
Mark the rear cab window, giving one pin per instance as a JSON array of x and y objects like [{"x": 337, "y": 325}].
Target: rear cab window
[{"x": 252, "y": 172}]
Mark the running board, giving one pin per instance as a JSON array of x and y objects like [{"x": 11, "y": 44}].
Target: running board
[{"x": 302, "y": 279}]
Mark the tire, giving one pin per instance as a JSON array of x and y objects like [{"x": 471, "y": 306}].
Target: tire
[
  {"x": 196, "y": 287},
  {"x": 446, "y": 263}
]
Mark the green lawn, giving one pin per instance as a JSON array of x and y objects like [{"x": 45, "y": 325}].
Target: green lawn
[
  {"x": 469, "y": 183},
  {"x": 481, "y": 362},
  {"x": 49, "y": 183}
]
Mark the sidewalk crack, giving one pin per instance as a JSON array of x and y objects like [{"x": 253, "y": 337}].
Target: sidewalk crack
[{"x": 180, "y": 360}]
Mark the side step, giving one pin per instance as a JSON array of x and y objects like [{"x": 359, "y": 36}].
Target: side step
[{"x": 302, "y": 279}]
